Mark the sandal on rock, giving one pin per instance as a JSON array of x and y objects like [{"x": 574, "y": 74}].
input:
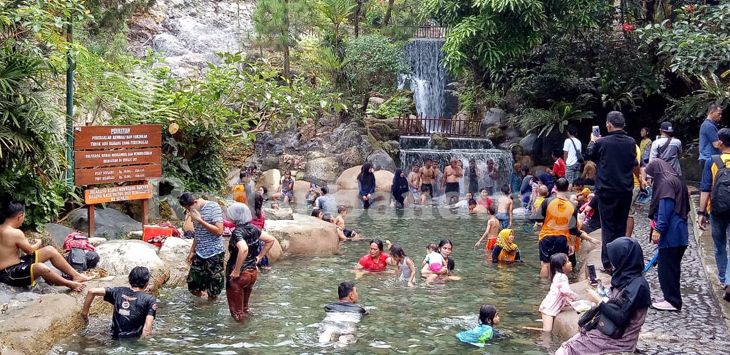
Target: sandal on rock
[{"x": 664, "y": 306}]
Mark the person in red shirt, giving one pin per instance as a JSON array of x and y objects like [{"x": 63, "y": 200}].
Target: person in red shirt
[
  {"x": 375, "y": 260},
  {"x": 559, "y": 167}
]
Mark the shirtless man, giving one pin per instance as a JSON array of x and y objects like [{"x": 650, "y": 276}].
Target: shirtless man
[
  {"x": 428, "y": 177},
  {"x": 22, "y": 271},
  {"x": 452, "y": 174},
  {"x": 414, "y": 183},
  {"x": 504, "y": 208},
  {"x": 491, "y": 232}
]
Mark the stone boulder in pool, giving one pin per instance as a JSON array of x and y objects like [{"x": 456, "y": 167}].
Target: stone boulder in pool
[
  {"x": 348, "y": 179},
  {"x": 174, "y": 254},
  {"x": 119, "y": 257},
  {"x": 305, "y": 235}
]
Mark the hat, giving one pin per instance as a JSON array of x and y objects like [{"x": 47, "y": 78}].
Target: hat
[{"x": 666, "y": 127}]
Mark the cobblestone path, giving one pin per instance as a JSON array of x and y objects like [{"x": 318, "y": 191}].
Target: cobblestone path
[{"x": 699, "y": 328}]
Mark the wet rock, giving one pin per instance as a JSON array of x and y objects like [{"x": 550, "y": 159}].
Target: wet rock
[
  {"x": 168, "y": 45},
  {"x": 276, "y": 252},
  {"x": 383, "y": 180},
  {"x": 58, "y": 233},
  {"x": 280, "y": 214},
  {"x": 381, "y": 160},
  {"x": 348, "y": 179},
  {"x": 119, "y": 257},
  {"x": 174, "y": 253},
  {"x": 109, "y": 223},
  {"x": 439, "y": 141},
  {"x": 305, "y": 235},
  {"x": 493, "y": 118},
  {"x": 528, "y": 143},
  {"x": 375, "y": 102},
  {"x": 271, "y": 180},
  {"x": 324, "y": 169}
]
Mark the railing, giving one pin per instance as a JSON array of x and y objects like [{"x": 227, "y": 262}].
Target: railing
[
  {"x": 449, "y": 127},
  {"x": 425, "y": 31}
]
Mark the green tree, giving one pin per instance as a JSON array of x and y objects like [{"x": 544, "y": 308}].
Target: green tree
[
  {"x": 372, "y": 63},
  {"x": 280, "y": 22}
]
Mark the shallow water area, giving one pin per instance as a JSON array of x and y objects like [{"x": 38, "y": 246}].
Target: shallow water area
[{"x": 288, "y": 300}]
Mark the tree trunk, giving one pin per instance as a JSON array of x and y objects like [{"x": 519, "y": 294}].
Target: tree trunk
[
  {"x": 358, "y": 9},
  {"x": 285, "y": 40},
  {"x": 388, "y": 12}
]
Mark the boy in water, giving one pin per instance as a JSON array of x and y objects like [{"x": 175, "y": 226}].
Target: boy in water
[
  {"x": 134, "y": 309},
  {"x": 491, "y": 232},
  {"x": 23, "y": 271},
  {"x": 504, "y": 208},
  {"x": 342, "y": 317},
  {"x": 344, "y": 233}
]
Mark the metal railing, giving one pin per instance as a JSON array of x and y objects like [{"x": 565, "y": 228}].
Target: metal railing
[{"x": 449, "y": 127}]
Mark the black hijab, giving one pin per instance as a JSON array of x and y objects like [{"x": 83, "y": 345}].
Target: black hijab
[
  {"x": 366, "y": 178},
  {"x": 627, "y": 259},
  {"x": 667, "y": 184},
  {"x": 400, "y": 183}
]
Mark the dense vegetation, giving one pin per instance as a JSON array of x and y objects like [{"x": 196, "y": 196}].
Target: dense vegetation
[{"x": 547, "y": 63}]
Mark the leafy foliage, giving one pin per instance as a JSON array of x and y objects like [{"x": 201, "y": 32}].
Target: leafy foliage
[
  {"x": 399, "y": 105},
  {"x": 543, "y": 122},
  {"x": 372, "y": 63},
  {"x": 280, "y": 22}
]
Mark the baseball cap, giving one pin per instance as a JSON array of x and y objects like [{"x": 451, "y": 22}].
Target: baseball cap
[{"x": 666, "y": 127}]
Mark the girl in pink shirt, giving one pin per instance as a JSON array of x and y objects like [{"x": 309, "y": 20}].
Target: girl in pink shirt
[{"x": 560, "y": 293}]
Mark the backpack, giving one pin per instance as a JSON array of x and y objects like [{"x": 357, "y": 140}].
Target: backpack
[
  {"x": 720, "y": 198},
  {"x": 77, "y": 240},
  {"x": 81, "y": 260},
  {"x": 578, "y": 153}
]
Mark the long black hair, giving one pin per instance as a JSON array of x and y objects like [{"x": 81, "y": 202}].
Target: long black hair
[
  {"x": 557, "y": 261},
  {"x": 258, "y": 204}
]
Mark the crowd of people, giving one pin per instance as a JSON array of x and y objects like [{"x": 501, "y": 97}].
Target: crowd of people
[{"x": 621, "y": 173}]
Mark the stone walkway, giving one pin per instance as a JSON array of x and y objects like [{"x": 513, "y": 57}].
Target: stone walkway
[{"x": 700, "y": 327}]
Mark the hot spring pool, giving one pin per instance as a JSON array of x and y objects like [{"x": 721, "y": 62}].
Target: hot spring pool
[{"x": 288, "y": 301}]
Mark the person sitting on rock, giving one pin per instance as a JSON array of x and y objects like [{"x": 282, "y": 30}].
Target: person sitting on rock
[
  {"x": 23, "y": 271},
  {"x": 134, "y": 309}
]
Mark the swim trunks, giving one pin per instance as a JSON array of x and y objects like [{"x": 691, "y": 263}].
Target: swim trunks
[
  {"x": 20, "y": 274},
  {"x": 503, "y": 219},
  {"x": 551, "y": 245},
  {"x": 207, "y": 274},
  {"x": 491, "y": 242},
  {"x": 452, "y": 187},
  {"x": 427, "y": 188}
]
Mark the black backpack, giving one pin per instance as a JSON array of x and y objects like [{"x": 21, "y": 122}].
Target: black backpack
[{"x": 720, "y": 199}]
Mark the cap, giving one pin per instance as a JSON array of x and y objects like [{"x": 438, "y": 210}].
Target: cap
[{"x": 666, "y": 127}]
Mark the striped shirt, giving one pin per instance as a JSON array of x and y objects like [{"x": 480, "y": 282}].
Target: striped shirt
[{"x": 208, "y": 244}]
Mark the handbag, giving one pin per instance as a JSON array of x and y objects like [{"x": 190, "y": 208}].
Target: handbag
[
  {"x": 578, "y": 153},
  {"x": 593, "y": 319}
]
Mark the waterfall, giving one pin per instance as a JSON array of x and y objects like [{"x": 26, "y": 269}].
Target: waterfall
[
  {"x": 428, "y": 79},
  {"x": 415, "y": 150}
]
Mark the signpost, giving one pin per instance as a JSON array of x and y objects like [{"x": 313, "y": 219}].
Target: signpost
[{"x": 114, "y": 154}]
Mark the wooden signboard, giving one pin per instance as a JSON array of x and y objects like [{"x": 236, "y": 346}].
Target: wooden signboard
[
  {"x": 109, "y": 137},
  {"x": 118, "y": 193},
  {"x": 101, "y": 158},
  {"x": 117, "y": 174},
  {"x": 112, "y": 154}
]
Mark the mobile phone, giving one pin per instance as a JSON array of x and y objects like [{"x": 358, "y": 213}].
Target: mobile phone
[
  {"x": 596, "y": 131},
  {"x": 592, "y": 273}
]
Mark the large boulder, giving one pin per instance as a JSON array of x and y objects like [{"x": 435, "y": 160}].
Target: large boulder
[
  {"x": 174, "y": 253},
  {"x": 58, "y": 233},
  {"x": 279, "y": 214},
  {"x": 381, "y": 160},
  {"x": 276, "y": 252},
  {"x": 348, "y": 178},
  {"x": 271, "y": 180},
  {"x": 119, "y": 257},
  {"x": 383, "y": 181},
  {"x": 493, "y": 118},
  {"x": 528, "y": 143},
  {"x": 323, "y": 169},
  {"x": 305, "y": 235},
  {"x": 301, "y": 189},
  {"x": 109, "y": 223}
]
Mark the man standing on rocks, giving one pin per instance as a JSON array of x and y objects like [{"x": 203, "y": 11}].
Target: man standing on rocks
[
  {"x": 615, "y": 155},
  {"x": 709, "y": 142},
  {"x": 428, "y": 177},
  {"x": 667, "y": 148},
  {"x": 715, "y": 191},
  {"x": 452, "y": 175},
  {"x": 414, "y": 184},
  {"x": 206, "y": 257}
]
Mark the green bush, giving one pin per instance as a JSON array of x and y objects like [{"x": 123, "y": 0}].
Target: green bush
[{"x": 372, "y": 63}]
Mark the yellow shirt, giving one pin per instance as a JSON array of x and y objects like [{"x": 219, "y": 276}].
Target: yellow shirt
[
  {"x": 637, "y": 184},
  {"x": 538, "y": 203},
  {"x": 644, "y": 142}
]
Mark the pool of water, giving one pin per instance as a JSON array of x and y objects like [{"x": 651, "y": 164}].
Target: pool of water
[{"x": 288, "y": 301}]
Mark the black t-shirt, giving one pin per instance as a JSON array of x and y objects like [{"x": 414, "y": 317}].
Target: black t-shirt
[
  {"x": 249, "y": 234},
  {"x": 131, "y": 309},
  {"x": 346, "y": 307}
]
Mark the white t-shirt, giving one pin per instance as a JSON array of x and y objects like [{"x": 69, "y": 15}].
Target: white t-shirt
[
  {"x": 434, "y": 258},
  {"x": 568, "y": 147}
]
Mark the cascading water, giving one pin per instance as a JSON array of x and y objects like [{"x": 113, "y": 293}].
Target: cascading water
[
  {"x": 428, "y": 80},
  {"x": 416, "y": 150}
]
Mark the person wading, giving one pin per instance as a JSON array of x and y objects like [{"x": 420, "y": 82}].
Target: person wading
[{"x": 615, "y": 155}]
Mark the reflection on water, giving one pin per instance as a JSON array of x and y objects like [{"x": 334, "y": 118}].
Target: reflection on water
[{"x": 288, "y": 301}]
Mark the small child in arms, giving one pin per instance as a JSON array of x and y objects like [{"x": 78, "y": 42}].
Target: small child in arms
[
  {"x": 434, "y": 259},
  {"x": 484, "y": 331},
  {"x": 560, "y": 292}
]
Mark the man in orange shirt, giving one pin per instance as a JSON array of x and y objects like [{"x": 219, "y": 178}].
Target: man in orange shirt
[{"x": 559, "y": 226}]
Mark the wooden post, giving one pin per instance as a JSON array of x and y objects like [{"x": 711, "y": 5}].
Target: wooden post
[
  {"x": 90, "y": 217},
  {"x": 145, "y": 211}
]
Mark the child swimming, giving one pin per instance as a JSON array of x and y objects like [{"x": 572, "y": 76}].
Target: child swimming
[
  {"x": 560, "y": 292},
  {"x": 484, "y": 331},
  {"x": 491, "y": 232},
  {"x": 405, "y": 268}
]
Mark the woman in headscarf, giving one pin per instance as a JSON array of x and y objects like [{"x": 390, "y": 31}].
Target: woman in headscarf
[
  {"x": 399, "y": 187},
  {"x": 626, "y": 305},
  {"x": 669, "y": 208},
  {"x": 241, "y": 272},
  {"x": 506, "y": 249},
  {"x": 366, "y": 178}
]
